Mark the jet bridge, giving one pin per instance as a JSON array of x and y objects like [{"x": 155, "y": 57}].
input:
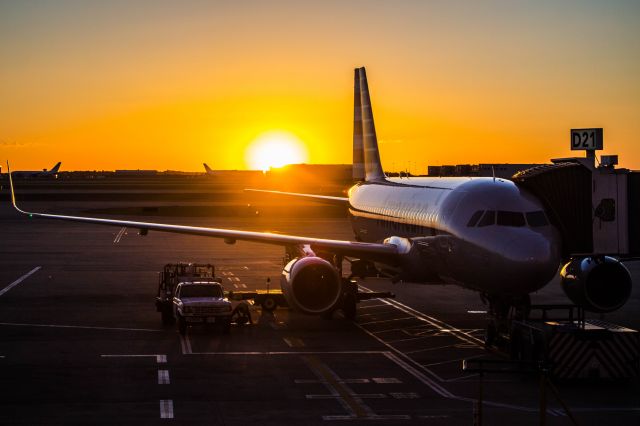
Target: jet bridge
[{"x": 596, "y": 209}]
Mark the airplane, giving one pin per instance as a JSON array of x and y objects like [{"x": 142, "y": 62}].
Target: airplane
[
  {"x": 208, "y": 170},
  {"x": 485, "y": 234},
  {"x": 36, "y": 173}
]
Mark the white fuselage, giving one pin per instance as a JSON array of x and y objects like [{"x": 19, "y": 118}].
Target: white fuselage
[{"x": 512, "y": 251}]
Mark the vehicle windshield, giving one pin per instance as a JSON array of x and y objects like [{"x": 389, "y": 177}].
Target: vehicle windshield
[{"x": 201, "y": 291}]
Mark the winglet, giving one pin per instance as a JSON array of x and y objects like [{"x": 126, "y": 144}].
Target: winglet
[{"x": 13, "y": 193}]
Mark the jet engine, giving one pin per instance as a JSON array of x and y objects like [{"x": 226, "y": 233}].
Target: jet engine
[
  {"x": 598, "y": 284},
  {"x": 311, "y": 285}
]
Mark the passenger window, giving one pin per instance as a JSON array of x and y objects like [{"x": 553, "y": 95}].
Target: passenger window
[
  {"x": 488, "y": 219},
  {"x": 510, "y": 218},
  {"x": 474, "y": 219},
  {"x": 537, "y": 219}
]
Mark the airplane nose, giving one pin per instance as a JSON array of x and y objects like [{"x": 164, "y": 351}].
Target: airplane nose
[{"x": 531, "y": 261}]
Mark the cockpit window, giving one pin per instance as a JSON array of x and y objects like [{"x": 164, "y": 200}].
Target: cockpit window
[
  {"x": 510, "y": 218},
  {"x": 474, "y": 219},
  {"x": 488, "y": 219},
  {"x": 537, "y": 219}
]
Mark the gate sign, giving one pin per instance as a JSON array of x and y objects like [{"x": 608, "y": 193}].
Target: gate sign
[{"x": 586, "y": 139}]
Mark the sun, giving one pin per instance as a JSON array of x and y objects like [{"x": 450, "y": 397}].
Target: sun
[{"x": 275, "y": 149}]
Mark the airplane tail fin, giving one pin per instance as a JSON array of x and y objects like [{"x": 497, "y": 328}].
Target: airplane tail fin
[
  {"x": 207, "y": 168},
  {"x": 366, "y": 156},
  {"x": 55, "y": 168}
]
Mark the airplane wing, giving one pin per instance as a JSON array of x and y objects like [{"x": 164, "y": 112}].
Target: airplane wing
[
  {"x": 325, "y": 199},
  {"x": 386, "y": 253}
]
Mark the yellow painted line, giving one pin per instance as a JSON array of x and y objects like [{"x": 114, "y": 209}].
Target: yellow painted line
[
  {"x": 355, "y": 405},
  {"x": 293, "y": 342}
]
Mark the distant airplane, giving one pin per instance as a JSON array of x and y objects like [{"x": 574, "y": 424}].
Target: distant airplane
[
  {"x": 485, "y": 234},
  {"x": 208, "y": 170},
  {"x": 36, "y": 173}
]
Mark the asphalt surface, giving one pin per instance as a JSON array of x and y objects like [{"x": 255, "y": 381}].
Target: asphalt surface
[{"x": 81, "y": 343}]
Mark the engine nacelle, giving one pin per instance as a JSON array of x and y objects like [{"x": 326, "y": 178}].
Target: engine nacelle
[
  {"x": 311, "y": 285},
  {"x": 598, "y": 284}
]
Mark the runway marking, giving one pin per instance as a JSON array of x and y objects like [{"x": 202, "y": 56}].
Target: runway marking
[
  {"x": 433, "y": 321},
  {"x": 372, "y": 306},
  {"x": 163, "y": 377},
  {"x": 186, "y": 345},
  {"x": 166, "y": 409},
  {"x": 19, "y": 280},
  {"x": 236, "y": 279},
  {"x": 243, "y": 285},
  {"x": 291, "y": 353},
  {"x": 350, "y": 381},
  {"x": 453, "y": 360},
  {"x": 389, "y": 320},
  {"x": 160, "y": 359},
  {"x": 386, "y": 380},
  {"x": 293, "y": 342},
  {"x": 77, "y": 326},
  {"x": 350, "y": 401},
  {"x": 404, "y": 395},
  {"x": 235, "y": 285},
  {"x": 120, "y": 235}
]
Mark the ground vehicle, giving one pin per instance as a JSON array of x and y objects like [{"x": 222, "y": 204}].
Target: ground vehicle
[
  {"x": 201, "y": 302},
  {"x": 171, "y": 275},
  {"x": 573, "y": 347}
]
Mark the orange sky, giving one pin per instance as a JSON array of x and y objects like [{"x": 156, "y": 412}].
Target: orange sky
[{"x": 169, "y": 85}]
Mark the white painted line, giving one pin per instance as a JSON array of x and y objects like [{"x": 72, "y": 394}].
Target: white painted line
[
  {"x": 156, "y": 356},
  {"x": 433, "y": 321},
  {"x": 404, "y": 395},
  {"x": 119, "y": 235},
  {"x": 230, "y": 279},
  {"x": 372, "y": 306},
  {"x": 437, "y": 388},
  {"x": 476, "y": 312},
  {"x": 243, "y": 285},
  {"x": 235, "y": 285},
  {"x": 292, "y": 353},
  {"x": 163, "y": 377},
  {"x": 236, "y": 279},
  {"x": 161, "y": 359},
  {"x": 19, "y": 280},
  {"x": 166, "y": 409},
  {"x": 314, "y": 381},
  {"x": 386, "y": 380},
  {"x": 454, "y": 360},
  {"x": 389, "y": 320},
  {"x": 186, "y": 345},
  {"x": 17, "y": 324},
  {"x": 355, "y": 395},
  {"x": 246, "y": 268}
]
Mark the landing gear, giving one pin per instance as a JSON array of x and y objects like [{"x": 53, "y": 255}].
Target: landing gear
[{"x": 503, "y": 310}]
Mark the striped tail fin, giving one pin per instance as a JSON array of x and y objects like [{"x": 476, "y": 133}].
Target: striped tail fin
[{"x": 366, "y": 157}]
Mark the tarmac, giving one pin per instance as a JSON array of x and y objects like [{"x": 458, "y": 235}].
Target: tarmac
[{"x": 81, "y": 342}]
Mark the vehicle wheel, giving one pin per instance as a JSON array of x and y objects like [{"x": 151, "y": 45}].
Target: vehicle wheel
[
  {"x": 349, "y": 306},
  {"x": 167, "y": 317},
  {"x": 182, "y": 325},
  {"x": 269, "y": 304}
]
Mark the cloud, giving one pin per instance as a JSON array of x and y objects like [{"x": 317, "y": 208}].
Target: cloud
[{"x": 4, "y": 143}]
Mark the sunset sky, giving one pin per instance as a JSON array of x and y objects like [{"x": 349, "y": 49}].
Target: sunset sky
[{"x": 169, "y": 85}]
